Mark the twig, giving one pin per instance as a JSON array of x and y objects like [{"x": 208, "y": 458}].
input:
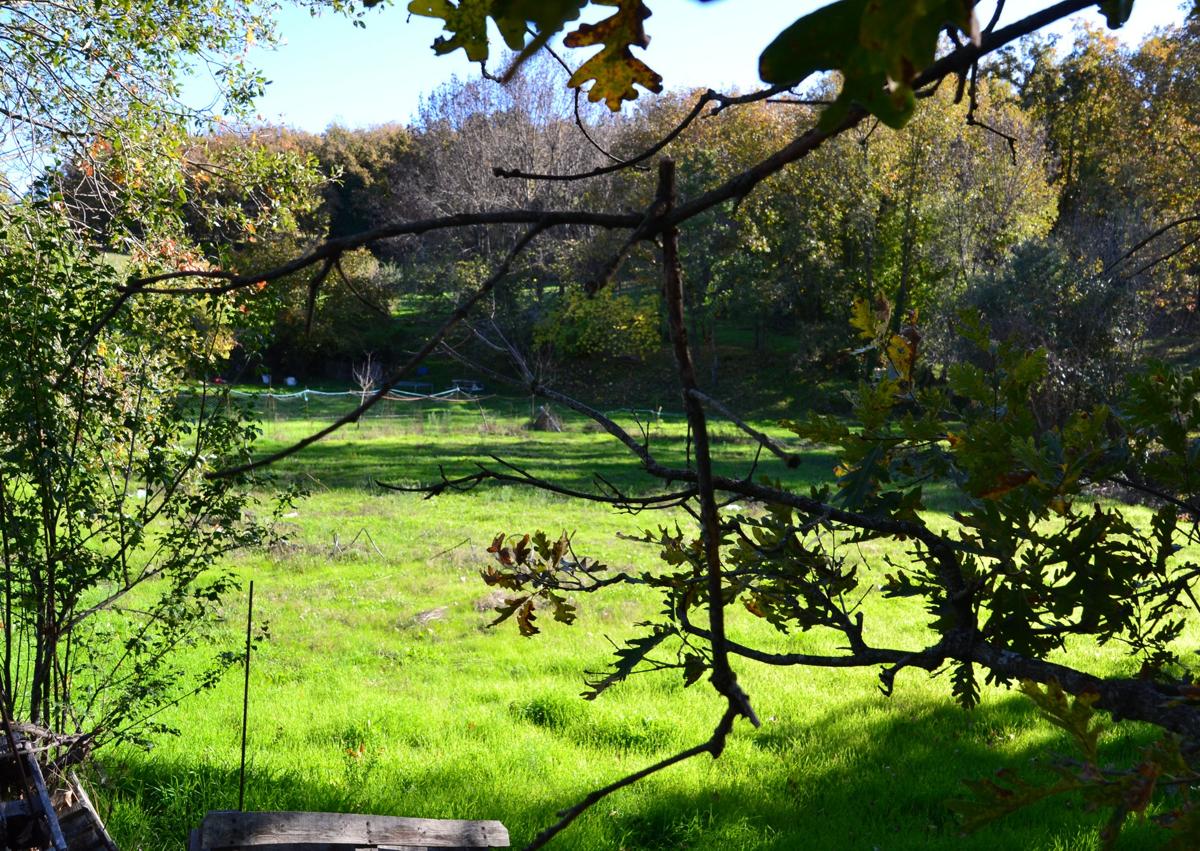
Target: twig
[
  {"x": 715, "y": 745},
  {"x": 632, "y": 504},
  {"x": 724, "y": 102},
  {"x": 314, "y": 289},
  {"x": 957, "y": 61},
  {"x": 337, "y": 546},
  {"x": 366, "y": 302},
  {"x": 801, "y": 101},
  {"x": 1142, "y": 243},
  {"x": 619, "y": 164},
  {"x": 579, "y": 122},
  {"x": 1149, "y": 490},
  {"x": 1163, "y": 258},
  {"x": 448, "y": 550},
  {"x": 972, "y": 121},
  {"x": 792, "y": 459},
  {"x": 537, "y": 388},
  {"x": 645, "y": 230}
]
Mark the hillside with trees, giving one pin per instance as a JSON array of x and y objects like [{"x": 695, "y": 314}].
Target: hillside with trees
[{"x": 1023, "y": 181}]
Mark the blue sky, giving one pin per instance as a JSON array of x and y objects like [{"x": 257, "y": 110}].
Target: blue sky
[{"x": 330, "y": 71}]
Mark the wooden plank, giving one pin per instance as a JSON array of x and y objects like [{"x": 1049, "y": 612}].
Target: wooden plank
[
  {"x": 194, "y": 840},
  {"x": 325, "y": 846},
  {"x": 102, "y": 840},
  {"x": 85, "y": 841},
  {"x": 57, "y": 842},
  {"x": 73, "y": 824},
  {"x": 229, "y": 829}
]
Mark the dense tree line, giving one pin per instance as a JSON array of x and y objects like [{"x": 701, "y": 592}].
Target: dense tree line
[{"x": 1021, "y": 194}]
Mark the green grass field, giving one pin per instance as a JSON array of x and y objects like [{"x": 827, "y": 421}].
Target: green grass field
[{"x": 383, "y": 689}]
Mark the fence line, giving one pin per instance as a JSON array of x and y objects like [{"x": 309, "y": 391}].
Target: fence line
[{"x": 454, "y": 394}]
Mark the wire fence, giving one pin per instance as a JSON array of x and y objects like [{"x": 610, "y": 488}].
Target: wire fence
[
  {"x": 409, "y": 410},
  {"x": 454, "y": 394},
  {"x": 308, "y": 403}
]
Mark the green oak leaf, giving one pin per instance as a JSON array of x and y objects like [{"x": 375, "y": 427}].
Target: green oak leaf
[
  {"x": 546, "y": 16},
  {"x": 628, "y": 658},
  {"x": 820, "y": 41},
  {"x": 615, "y": 70},
  {"x": 466, "y": 21},
  {"x": 879, "y": 46}
]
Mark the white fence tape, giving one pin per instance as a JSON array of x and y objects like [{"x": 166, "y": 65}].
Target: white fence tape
[
  {"x": 454, "y": 394},
  {"x": 393, "y": 395}
]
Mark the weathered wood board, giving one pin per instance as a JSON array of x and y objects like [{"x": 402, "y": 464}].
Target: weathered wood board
[{"x": 344, "y": 831}]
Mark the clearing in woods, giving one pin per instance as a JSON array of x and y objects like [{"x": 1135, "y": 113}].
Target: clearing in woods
[{"x": 383, "y": 690}]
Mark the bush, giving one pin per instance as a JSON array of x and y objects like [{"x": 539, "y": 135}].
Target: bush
[
  {"x": 1088, "y": 324},
  {"x": 605, "y": 325},
  {"x": 111, "y": 531}
]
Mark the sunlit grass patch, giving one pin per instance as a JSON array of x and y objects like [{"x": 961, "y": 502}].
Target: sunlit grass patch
[{"x": 383, "y": 689}]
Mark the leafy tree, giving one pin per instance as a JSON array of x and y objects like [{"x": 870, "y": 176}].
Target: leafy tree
[
  {"x": 111, "y": 534},
  {"x": 363, "y": 167},
  {"x": 915, "y": 216},
  {"x": 94, "y": 83},
  {"x": 604, "y": 326},
  {"x": 1099, "y": 148},
  {"x": 297, "y": 329},
  {"x": 467, "y": 131}
]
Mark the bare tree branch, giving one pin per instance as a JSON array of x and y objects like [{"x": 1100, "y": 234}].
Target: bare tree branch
[
  {"x": 579, "y": 122},
  {"x": 705, "y": 99},
  {"x": 714, "y": 746},
  {"x": 792, "y": 459},
  {"x": 1142, "y": 243},
  {"x": 956, "y": 62},
  {"x": 723, "y": 678},
  {"x": 991, "y": 25},
  {"x": 972, "y": 121},
  {"x": 1163, "y": 258},
  {"x": 519, "y": 476},
  {"x": 336, "y": 247},
  {"x": 724, "y": 102}
]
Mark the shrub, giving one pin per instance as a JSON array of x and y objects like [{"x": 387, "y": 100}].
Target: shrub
[{"x": 605, "y": 325}]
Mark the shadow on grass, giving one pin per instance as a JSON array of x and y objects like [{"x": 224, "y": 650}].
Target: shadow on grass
[
  {"x": 858, "y": 778},
  {"x": 571, "y": 461}
]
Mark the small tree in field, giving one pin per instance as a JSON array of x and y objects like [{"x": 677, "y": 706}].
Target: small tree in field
[{"x": 367, "y": 376}]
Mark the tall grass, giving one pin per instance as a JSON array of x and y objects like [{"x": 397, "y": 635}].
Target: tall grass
[{"x": 384, "y": 690}]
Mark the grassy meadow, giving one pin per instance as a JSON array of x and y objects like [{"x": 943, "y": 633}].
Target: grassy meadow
[{"x": 383, "y": 690}]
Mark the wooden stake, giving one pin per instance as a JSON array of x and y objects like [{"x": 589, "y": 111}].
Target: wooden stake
[{"x": 246, "y": 701}]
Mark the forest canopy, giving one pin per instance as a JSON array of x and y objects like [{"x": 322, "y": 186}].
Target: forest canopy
[{"x": 1026, "y": 177}]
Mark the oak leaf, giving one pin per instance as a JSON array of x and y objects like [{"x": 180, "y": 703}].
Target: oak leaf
[{"x": 614, "y": 71}]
